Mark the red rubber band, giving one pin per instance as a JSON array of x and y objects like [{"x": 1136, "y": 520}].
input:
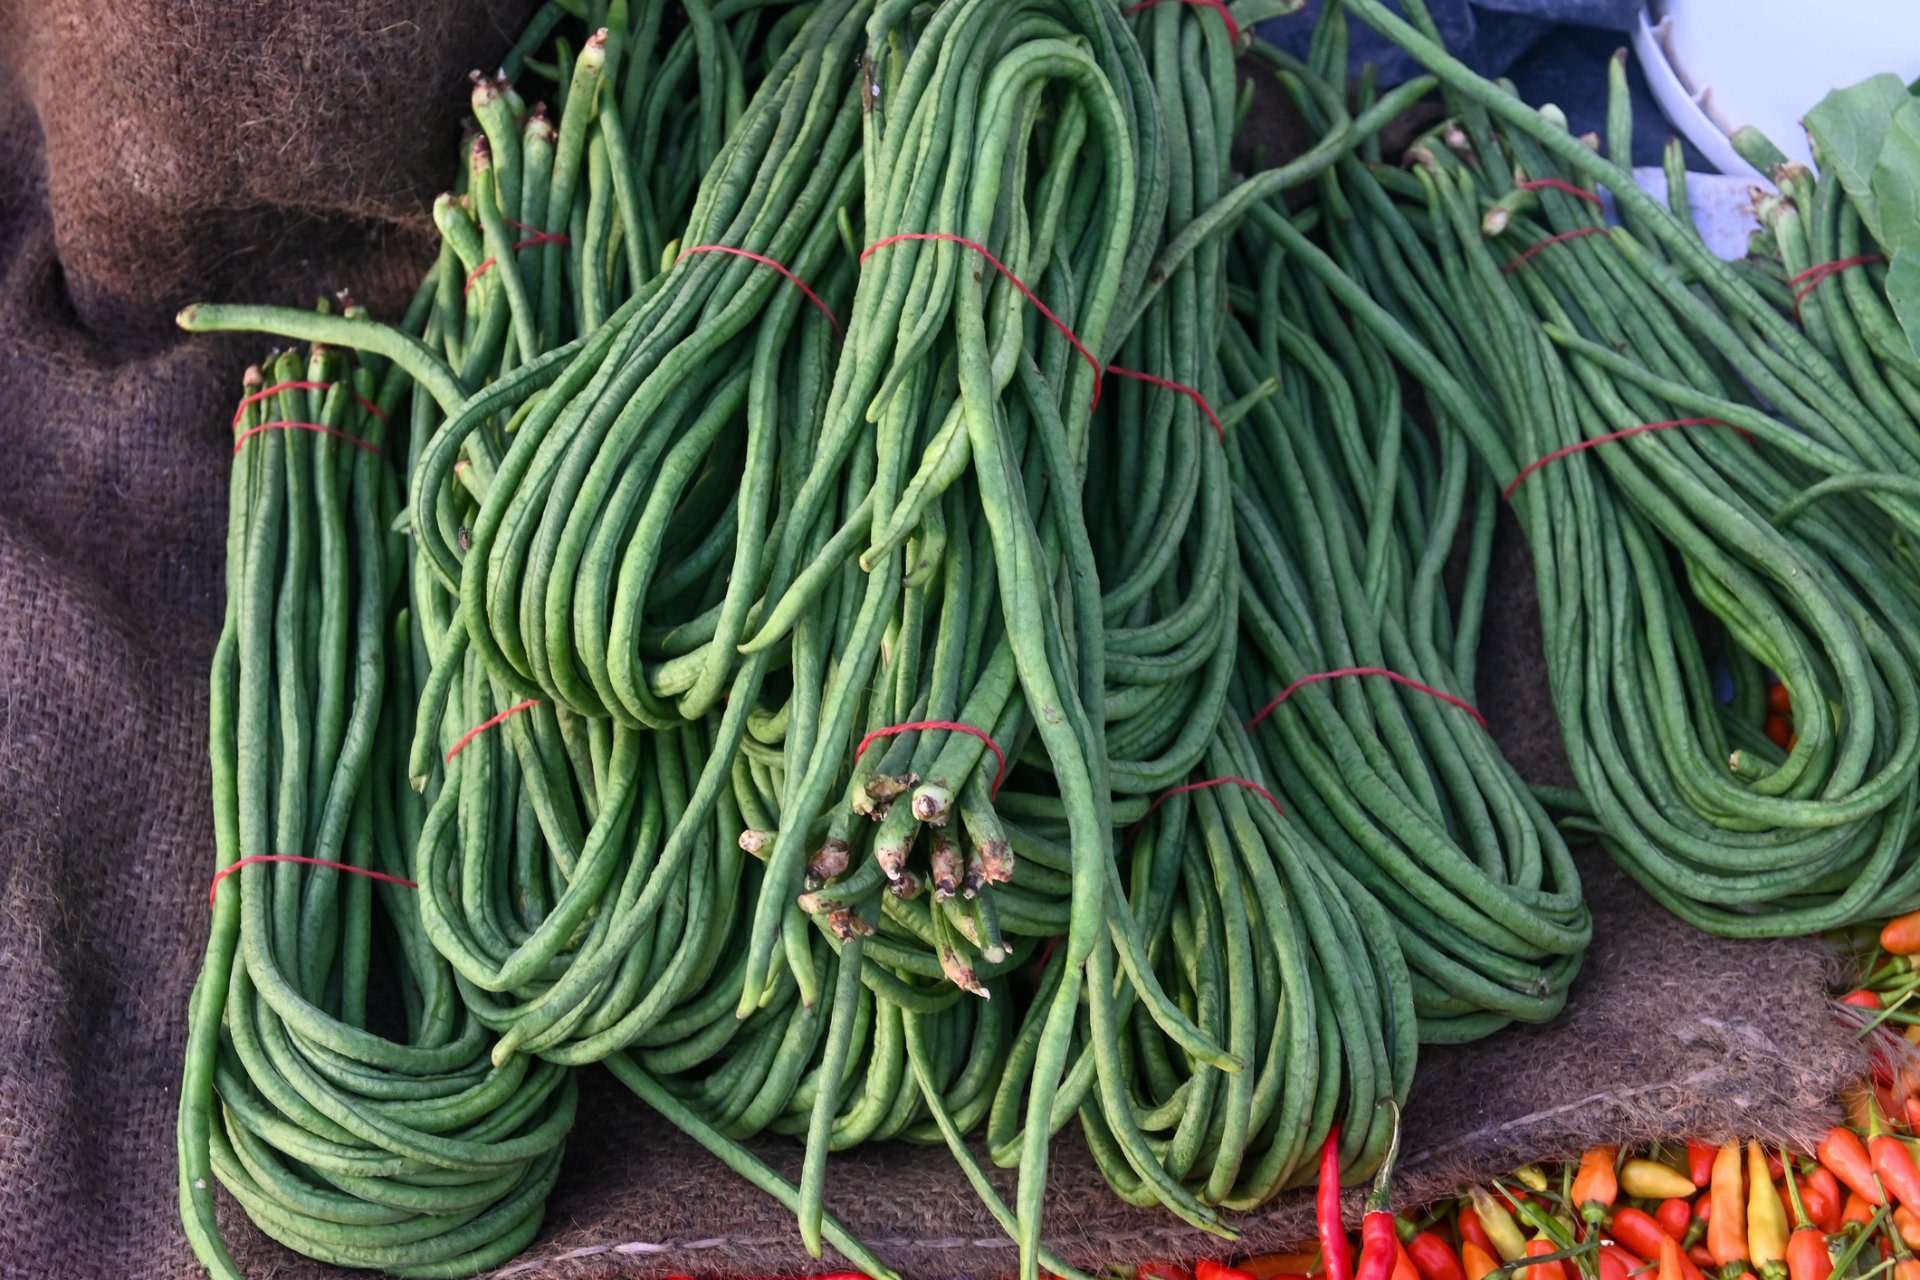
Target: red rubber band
[
  {"x": 538, "y": 237},
  {"x": 274, "y": 390},
  {"x": 765, "y": 261},
  {"x": 1218, "y": 6},
  {"x": 1820, "y": 273},
  {"x": 1219, "y": 428},
  {"x": 955, "y": 726},
  {"x": 482, "y": 727},
  {"x": 478, "y": 271},
  {"x": 213, "y": 890},
  {"x": 1513, "y": 266},
  {"x": 1609, "y": 438},
  {"x": 1409, "y": 681},
  {"x": 1250, "y": 785},
  {"x": 1018, "y": 283},
  {"x": 240, "y": 440},
  {"x": 1561, "y": 184},
  {"x": 371, "y": 407}
]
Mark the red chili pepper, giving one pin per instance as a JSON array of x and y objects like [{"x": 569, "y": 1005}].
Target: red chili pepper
[
  {"x": 1333, "y": 1231},
  {"x": 1821, "y": 1191},
  {"x": 1434, "y": 1258},
  {"x": 1278, "y": 1266},
  {"x": 1555, "y": 1270},
  {"x": 1700, "y": 1161},
  {"x": 1894, "y": 1163},
  {"x": 1843, "y": 1152},
  {"x": 1161, "y": 1271},
  {"x": 1637, "y": 1230},
  {"x": 1379, "y": 1243},
  {"x": 1807, "y": 1257},
  {"x": 1779, "y": 730},
  {"x": 1700, "y": 1255},
  {"x": 1672, "y": 1261},
  {"x": 1674, "y": 1217},
  {"x": 1472, "y": 1229},
  {"x": 1617, "y": 1264},
  {"x": 1863, "y": 999},
  {"x": 1209, "y": 1269},
  {"x": 1779, "y": 700},
  {"x": 1901, "y": 935}
]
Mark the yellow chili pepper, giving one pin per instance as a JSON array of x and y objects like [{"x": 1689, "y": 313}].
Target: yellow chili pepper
[
  {"x": 1508, "y": 1240},
  {"x": 1652, "y": 1180},
  {"x": 1766, "y": 1218},
  {"x": 1532, "y": 1177}
]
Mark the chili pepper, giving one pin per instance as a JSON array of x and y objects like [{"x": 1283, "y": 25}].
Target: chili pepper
[
  {"x": 1333, "y": 1231},
  {"x": 1505, "y": 1233},
  {"x": 1433, "y": 1257},
  {"x": 1532, "y": 1177},
  {"x": 1596, "y": 1186},
  {"x": 1857, "y": 1213},
  {"x": 1471, "y": 1228},
  {"x": 1555, "y": 1270},
  {"x": 1807, "y": 1257},
  {"x": 1273, "y": 1266},
  {"x": 1862, "y": 999},
  {"x": 1637, "y": 1230},
  {"x": 1907, "y": 1269},
  {"x": 1824, "y": 1198},
  {"x": 1161, "y": 1271},
  {"x": 1379, "y": 1243},
  {"x": 1209, "y": 1269},
  {"x": 1908, "y": 1226},
  {"x": 1617, "y": 1263},
  {"x": 1894, "y": 1163},
  {"x": 1700, "y": 1161},
  {"x": 1766, "y": 1218},
  {"x": 1779, "y": 730},
  {"x": 1672, "y": 1261},
  {"x": 1778, "y": 699},
  {"x": 1477, "y": 1260},
  {"x": 1674, "y": 1217},
  {"x": 1700, "y": 1255},
  {"x": 1703, "y": 1207},
  {"x": 1653, "y": 1180},
  {"x": 1842, "y": 1152},
  {"x": 1727, "y": 1225},
  {"x": 1403, "y": 1268},
  {"x": 1901, "y": 935},
  {"x": 1912, "y": 1109}
]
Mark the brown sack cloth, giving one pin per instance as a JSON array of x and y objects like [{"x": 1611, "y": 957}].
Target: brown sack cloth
[{"x": 157, "y": 151}]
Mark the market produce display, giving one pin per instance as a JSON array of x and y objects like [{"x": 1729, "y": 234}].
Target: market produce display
[{"x": 882, "y": 591}]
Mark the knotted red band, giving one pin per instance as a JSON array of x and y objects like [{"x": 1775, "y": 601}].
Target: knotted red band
[
  {"x": 240, "y": 440},
  {"x": 1250, "y": 785},
  {"x": 1515, "y": 265},
  {"x": 763, "y": 260},
  {"x": 953, "y": 725},
  {"x": 1395, "y": 676},
  {"x": 1609, "y": 438},
  {"x": 213, "y": 890},
  {"x": 1820, "y": 273},
  {"x": 1560, "y": 184},
  {"x": 1218, "y": 6},
  {"x": 278, "y": 387},
  {"x": 482, "y": 727},
  {"x": 537, "y": 237}
]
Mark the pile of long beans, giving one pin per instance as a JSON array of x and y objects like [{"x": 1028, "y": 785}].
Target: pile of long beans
[{"x": 848, "y": 538}]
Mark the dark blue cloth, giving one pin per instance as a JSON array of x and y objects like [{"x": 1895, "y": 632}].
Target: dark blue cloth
[{"x": 1488, "y": 35}]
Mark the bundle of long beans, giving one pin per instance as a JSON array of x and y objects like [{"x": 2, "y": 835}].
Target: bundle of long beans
[
  {"x": 335, "y": 1083},
  {"x": 1549, "y": 334}
]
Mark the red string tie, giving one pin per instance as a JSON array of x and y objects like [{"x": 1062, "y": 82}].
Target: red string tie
[
  {"x": 765, "y": 261},
  {"x": 278, "y": 387},
  {"x": 1218, "y": 427},
  {"x": 1609, "y": 438},
  {"x": 953, "y": 725},
  {"x": 241, "y": 440},
  {"x": 1218, "y": 6},
  {"x": 1249, "y": 784},
  {"x": 1395, "y": 676},
  {"x": 1018, "y": 283},
  {"x": 537, "y": 237},
  {"x": 1561, "y": 184},
  {"x": 481, "y": 728},
  {"x": 1513, "y": 266},
  {"x": 213, "y": 890},
  {"x": 1820, "y": 273}
]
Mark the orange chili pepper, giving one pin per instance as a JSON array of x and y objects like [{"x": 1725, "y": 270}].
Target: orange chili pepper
[
  {"x": 1901, "y": 935},
  {"x": 1472, "y": 1229},
  {"x": 1210, "y": 1269},
  {"x": 1555, "y": 1270},
  {"x": 1672, "y": 1261},
  {"x": 1908, "y": 1226},
  {"x": 1596, "y": 1186},
  {"x": 1477, "y": 1260},
  {"x": 1272, "y": 1266},
  {"x": 1857, "y": 1213},
  {"x": 1727, "y": 1225},
  {"x": 1842, "y": 1152},
  {"x": 1907, "y": 1269}
]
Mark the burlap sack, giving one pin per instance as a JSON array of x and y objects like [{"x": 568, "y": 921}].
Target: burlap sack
[{"x": 157, "y": 151}]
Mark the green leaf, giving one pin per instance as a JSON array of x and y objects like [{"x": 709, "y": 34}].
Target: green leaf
[
  {"x": 1903, "y": 293},
  {"x": 1896, "y": 181},
  {"x": 1849, "y": 128}
]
